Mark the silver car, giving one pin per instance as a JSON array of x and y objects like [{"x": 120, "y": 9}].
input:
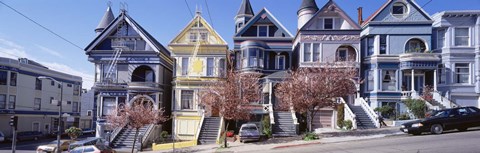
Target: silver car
[{"x": 249, "y": 132}]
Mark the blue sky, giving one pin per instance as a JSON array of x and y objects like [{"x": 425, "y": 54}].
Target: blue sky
[{"x": 76, "y": 21}]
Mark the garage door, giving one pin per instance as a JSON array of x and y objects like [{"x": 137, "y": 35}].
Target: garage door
[{"x": 323, "y": 119}]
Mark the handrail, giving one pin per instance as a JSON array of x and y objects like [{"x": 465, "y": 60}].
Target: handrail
[
  {"x": 270, "y": 113},
  {"x": 373, "y": 116},
  {"x": 147, "y": 133},
  {"x": 349, "y": 115},
  {"x": 199, "y": 128},
  {"x": 294, "y": 117},
  {"x": 443, "y": 100},
  {"x": 115, "y": 132},
  {"x": 220, "y": 130}
]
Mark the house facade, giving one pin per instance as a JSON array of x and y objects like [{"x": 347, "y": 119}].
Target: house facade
[
  {"x": 33, "y": 100},
  {"x": 396, "y": 54},
  {"x": 130, "y": 65},
  {"x": 326, "y": 35},
  {"x": 88, "y": 110},
  {"x": 456, "y": 37},
  {"x": 200, "y": 55}
]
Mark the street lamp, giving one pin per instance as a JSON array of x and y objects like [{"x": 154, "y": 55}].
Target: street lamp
[{"x": 59, "y": 132}]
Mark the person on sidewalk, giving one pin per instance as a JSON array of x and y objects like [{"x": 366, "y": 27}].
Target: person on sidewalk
[{"x": 380, "y": 120}]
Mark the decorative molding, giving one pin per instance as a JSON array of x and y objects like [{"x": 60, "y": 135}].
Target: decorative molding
[{"x": 330, "y": 38}]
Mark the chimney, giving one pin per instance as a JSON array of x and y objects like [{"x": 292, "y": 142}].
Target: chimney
[{"x": 360, "y": 15}]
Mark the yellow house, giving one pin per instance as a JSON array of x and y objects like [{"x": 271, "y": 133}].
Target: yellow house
[{"x": 201, "y": 57}]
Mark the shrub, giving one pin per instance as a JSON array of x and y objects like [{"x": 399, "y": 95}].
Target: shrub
[
  {"x": 404, "y": 116},
  {"x": 266, "y": 126},
  {"x": 417, "y": 107},
  {"x": 310, "y": 136},
  {"x": 74, "y": 132},
  {"x": 348, "y": 124},
  {"x": 340, "y": 115},
  {"x": 385, "y": 110}
]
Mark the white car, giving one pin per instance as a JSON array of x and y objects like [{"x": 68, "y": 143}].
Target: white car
[
  {"x": 249, "y": 132},
  {"x": 2, "y": 137}
]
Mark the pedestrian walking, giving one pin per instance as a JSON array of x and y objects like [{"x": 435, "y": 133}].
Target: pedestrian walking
[{"x": 380, "y": 120}]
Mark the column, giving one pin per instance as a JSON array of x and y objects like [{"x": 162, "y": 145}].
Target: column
[
  {"x": 435, "y": 80},
  {"x": 413, "y": 81},
  {"x": 376, "y": 80},
  {"x": 376, "y": 45}
]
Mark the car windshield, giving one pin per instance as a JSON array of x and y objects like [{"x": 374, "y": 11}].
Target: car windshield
[
  {"x": 442, "y": 113},
  {"x": 249, "y": 128},
  {"x": 54, "y": 142}
]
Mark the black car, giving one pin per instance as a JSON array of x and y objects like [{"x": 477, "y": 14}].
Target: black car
[{"x": 460, "y": 118}]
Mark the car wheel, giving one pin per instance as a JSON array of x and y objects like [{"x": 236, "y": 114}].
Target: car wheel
[{"x": 436, "y": 129}]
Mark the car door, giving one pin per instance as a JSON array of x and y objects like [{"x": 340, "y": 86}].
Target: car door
[
  {"x": 475, "y": 116},
  {"x": 452, "y": 120},
  {"x": 464, "y": 117}
]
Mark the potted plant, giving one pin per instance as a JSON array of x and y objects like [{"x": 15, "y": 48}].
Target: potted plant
[
  {"x": 230, "y": 136},
  {"x": 74, "y": 132}
]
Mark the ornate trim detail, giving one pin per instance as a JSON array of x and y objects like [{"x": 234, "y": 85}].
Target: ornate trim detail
[{"x": 331, "y": 38}]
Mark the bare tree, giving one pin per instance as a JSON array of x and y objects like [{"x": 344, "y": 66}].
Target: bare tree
[
  {"x": 136, "y": 116},
  {"x": 232, "y": 95},
  {"x": 311, "y": 88}
]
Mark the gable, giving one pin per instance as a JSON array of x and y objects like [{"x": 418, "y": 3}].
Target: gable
[
  {"x": 263, "y": 19},
  {"x": 341, "y": 20},
  {"x": 413, "y": 13},
  {"x": 196, "y": 30}
]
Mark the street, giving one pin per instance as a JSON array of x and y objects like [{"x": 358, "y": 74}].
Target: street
[{"x": 451, "y": 142}]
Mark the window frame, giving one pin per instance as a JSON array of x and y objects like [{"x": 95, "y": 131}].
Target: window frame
[
  {"x": 441, "y": 43},
  {"x": 277, "y": 62},
  {"x": 112, "y": 106},
  {"x": 75, "y": 107},
  {"x": 13, "y": 79},
  {"x": 370, "y": 80},
  {"x": 309, "y": 51},
  {"x": 325, "y": 23},
  {"x": 457, "y": 75},
  {"x": 404, "y": 9},
  {"x": 3, "y": 77},
  {"x": 468, "y": 37},
  {"x": 441, "y": 74},
  {"x": 370, "y": 45},
  {"x": 185, "y": 65},
  {"x": 342, "y": 49},
  {"x": 11, "y": 104},
  {"x": 193, "y": 37},
  {"x": 184, "y": 94},
  {"x": 267, "y": 32},
  {"x": 210, "y": 66},
  {"x": 4, "y": 101},
  {"x": 35, "y": 103}
]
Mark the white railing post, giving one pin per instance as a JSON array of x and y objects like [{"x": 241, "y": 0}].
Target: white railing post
[{"x": 199, "y": 128}]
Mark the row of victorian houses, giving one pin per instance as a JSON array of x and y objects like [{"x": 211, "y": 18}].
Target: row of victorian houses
[{"x": 398, "y": 51}]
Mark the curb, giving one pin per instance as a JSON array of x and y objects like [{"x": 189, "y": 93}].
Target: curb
[{"x": 296, "y": 145}]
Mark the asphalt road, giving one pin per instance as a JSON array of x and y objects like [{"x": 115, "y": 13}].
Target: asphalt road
[
  {"x": 451, "y": 142},
  {"x": 30, "y": 146}
]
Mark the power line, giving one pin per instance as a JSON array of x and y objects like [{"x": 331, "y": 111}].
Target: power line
[
  {"x": 209, "y": 15},
  {"x": 63, "y": 38},
  {"x": 189, "y": 10}
]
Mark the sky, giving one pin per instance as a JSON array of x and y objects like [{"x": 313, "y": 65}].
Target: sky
[{"x": 75, "y": 20}]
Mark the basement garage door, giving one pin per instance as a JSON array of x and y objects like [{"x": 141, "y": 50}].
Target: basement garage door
[{"x": 323, "y": 119}]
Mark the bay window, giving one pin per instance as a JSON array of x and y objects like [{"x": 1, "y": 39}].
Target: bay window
[
  {"x": 109, "y": 104},
  {"x": 307, "y": 52},
  {"x": 370, "y": 45},
  {"x": 370, "y": 79},
  {"x": 252, "y": 58},
  {"x": 389, "y": 80},
  {"x": 440, "y": 38},
  {"x": 462, "y": 36},
  {"x": 462, "y": 73}
]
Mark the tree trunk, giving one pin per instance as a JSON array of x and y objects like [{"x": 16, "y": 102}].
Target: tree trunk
[
  {"x": 135, "y": 139},
  {"x": 225, "y": 135},
  {"x": 309, "y": 121}
]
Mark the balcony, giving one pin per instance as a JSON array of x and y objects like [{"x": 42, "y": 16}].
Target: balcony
[
  {"x": 144, "y": 86},
  {"x": 419, "y": 56}
]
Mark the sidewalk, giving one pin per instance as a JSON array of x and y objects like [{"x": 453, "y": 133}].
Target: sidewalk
[{"x": 276, "y": 143}]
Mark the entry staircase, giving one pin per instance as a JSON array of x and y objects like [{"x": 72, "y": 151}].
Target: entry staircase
[
  {"x": 124, "y": 138},
  {"x": 284, "y": 125},
  {"x": 362, "y": 118},
  {"x": 209, "y": 130}
]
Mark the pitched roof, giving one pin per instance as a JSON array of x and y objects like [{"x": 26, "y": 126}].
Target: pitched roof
[
  {"x": 106, "y": 19},
  {"x": 308, "y": 4},
  {"x": 257, "y": 17},
  {"x": 245, "y": 8},
  {"x": 202, "y": 20},
  {"x": 342, "y": 12},
  {"x": 414, "y": 4},
  {"x": 143, "y": 33}
]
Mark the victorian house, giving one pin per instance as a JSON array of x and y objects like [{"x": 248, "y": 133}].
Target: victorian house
[
  {"x": 326, "y": 35},
  {"x": 130, "y": 66},
  {"x": 263, "y": 45},
  {"x": 456, "y": 37},
  {"x": 200, "y": 54}
]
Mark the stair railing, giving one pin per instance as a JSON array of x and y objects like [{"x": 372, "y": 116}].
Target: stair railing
[
  {"x": 199, "y": 128},
  {"x": 115, "y": 132},
  {"x": 349, "y": 115},
  {"x": 373, "y": 116},
  {"x": 443, "y": 100},
  {"x": 220, "y": 130},
  {"x": 147, "y": 133}
]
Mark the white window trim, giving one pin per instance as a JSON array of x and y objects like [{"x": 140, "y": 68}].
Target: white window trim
[
  {"x": 207, "y": 66},
  {"x": 39, "y": 126},
  {"x": 444, "y": 38},
  {"x": 277, "y": 61},
  {"x": 311, "y": 52},
  {"x": 469, "y": 74},
  {"x": 469, "y": 36},
  {"x": 258, "y": 30},
  {"x": 406, "y": 10},
  {"x": 333, "y": 23}
]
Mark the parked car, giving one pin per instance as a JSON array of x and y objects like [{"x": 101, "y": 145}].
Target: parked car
[
  {"x": 249, "y": 132},
  {"x": 93, "y": 149},
  {"x": 52, "y": 146},
  {"x": 460, "y": 118},
  {"x": 2, "y": 136},
  {"x": 86, "y": 142},
  {"x": 88, "y": 131},
  {"x": 28, "y": 135}
]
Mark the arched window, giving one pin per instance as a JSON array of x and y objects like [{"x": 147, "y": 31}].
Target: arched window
[
  {"x": 346, "y": 53},
  {"x": 143, "y": 74},
  {"x": 415, "y": 45}
]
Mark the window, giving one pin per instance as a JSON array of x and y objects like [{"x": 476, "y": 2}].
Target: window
[
  {"x": 262, "y": 31},
  {"x": 316, "y": 52},
  {"x": 252, "y": 57},
  {"x": 204, "y": 36},
  {"x": 112, "y": 77},
  {"x": 69, "y": 102},
  {"x": 307, "y": 52},
  {"x": 51, "y": 100},
  {"x": 38, "y": 84},
  {"x": 440, "y": 38},
  {"x": 210, "y": 66},
  {"x": 399, "y": 9},
  {"x": 221, "y": 67},
  {"x": 52, "y": 83},
  {"x": 3, "y": 101},
  {"x": 388, "y": 80},
  {"x": 75, "y": 106},
  {"x": 35, "y": 126},
  {"x": 3, "y": 77},
  {"x": 108, "y": 105},
  {"x": 11, "y": 102},
  {"x": 193, "y": 37},
  {"x": 89, "y": 113},
  {"x": 13, "y": 79},
  {"x": 280, "y": 62},
  {"x": 383, "y": 44},
  {"x": 371, "y": 45},
  {"x": 187, "y": 99},
  {"x": 462, "y": 73},
  {"x": 462, "y": 36},
  {"x": 342, "y": 54},
  {"x": 37, "y": 104},
  {"x": 415, "y": 46},
  {"x": 185, "y": 66},
  {"x": 328, "y": 23},
  {"x": 441, "y": 74},
  {"x": 69, "y": 85},
  {"x": 76, "y": 90},
  {"x": 370, "y": 77}
]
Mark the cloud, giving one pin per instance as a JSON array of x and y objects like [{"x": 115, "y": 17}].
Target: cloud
[
  {"x": 50, "y": 51},
  {"x": 12, "y": 50}
]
